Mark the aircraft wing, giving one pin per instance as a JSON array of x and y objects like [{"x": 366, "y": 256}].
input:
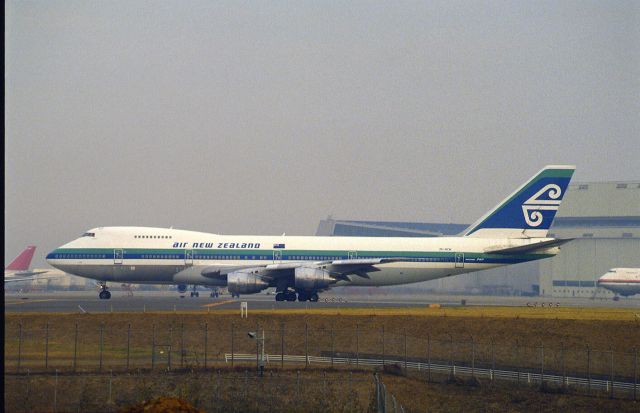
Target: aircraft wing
[
  {"x": 29, "y": 273},
  {"x": 338, "y": 268},
  {"x": 523, "y": 249},
  {"x": 12, "y": 280}
]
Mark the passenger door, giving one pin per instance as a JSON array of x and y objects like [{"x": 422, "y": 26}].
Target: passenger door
[{"x": 118, "y": 256}]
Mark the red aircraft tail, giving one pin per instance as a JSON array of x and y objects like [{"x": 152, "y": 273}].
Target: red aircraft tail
[{"x": 22, "y": 261}]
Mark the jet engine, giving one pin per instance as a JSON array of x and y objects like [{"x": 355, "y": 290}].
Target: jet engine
[
  {"x": 182, "y": 288},
  {"x": 312, "y": 279},
  {"x": 243, "y": 282}
]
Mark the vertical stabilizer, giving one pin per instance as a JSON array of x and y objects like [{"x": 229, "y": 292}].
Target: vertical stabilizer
[
  {"x": 22, "y": 261},
  {"x": 530, "y": 210}
]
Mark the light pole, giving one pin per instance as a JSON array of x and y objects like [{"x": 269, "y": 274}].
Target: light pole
[{"x": 259, "y": 350}]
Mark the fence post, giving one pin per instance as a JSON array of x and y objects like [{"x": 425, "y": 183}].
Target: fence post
[
  {"x": 257, "y": 347},
  {"x": 350, "y": 381},
  {"x": 564, "y": 369},
  {"x": 451, "y": 369},
  {"x": 232, "y": 349},
  {"x": 611, "y": 395},
  {"x": 429, "y": 355},
  {"x": 282, "y": 346},
  {"x": 383, "y": 356},
  {"x": 206, "y": 336},
  {"x": 357, "y": 345},
  {"x": 635, "y": 374},
  {"x": 588, "y": 369},
  {"x": 19, "y": 345},
  {"x": 170, "y": 347},
  {"x": 101, "y": 344},
  {"x": 518, "y": 359},
  {"x": 75, "y": 349},
  {"x": 333, "y": 345},
  {"x": 306, "y": 344},
  {"x": 493, "y": 359},
  {"x": 405, "y": 351},
  {"x": 473, "y": 358},
  {"x": 542, "y": 363},
  {"x": 46, "y": 346},
  {"x": 181, "y": 345},
  {"x": 55, "y": 392},
  {"x": 153, "y": 346},
  {"x": 375, "y": 381},
  {"x": 218, "y": 387},
  {"x": 110, "y": 378}
]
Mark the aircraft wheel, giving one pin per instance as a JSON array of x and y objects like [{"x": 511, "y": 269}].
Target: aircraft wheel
[
  {"x": 302, "y": 297},
  {"x": 197, "y": 293},
  {"x": 290, "y": 296},
  {"x": 191, "y": 294},
  {"x": 279, "y": 297},
  {"x": 101, "y": 295},
  {"x": 314, "y": 297},
  {"x": 104, "y": 295}
]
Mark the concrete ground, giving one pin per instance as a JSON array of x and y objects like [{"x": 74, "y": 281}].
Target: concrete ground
[{"x": 140, "y": 301}]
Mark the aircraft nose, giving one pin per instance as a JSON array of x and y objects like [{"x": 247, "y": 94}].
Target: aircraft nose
[{"x": 51, "y": 258}]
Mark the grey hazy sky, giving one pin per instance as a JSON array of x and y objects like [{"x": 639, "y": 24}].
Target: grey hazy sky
[{"x": 264, "y": 117}]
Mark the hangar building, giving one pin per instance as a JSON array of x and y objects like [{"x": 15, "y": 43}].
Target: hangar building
[{"x": 602, "y": 217}]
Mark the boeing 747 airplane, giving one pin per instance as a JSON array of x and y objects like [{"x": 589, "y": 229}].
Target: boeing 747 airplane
[{"x": 300, "y": 267}]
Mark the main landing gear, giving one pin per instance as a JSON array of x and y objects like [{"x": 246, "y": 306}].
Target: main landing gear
[
  {"x": 286, "y": 295},
  {"x": 308, "y": 296},
  {"x": 195, "y": 293},
  {"x": 289, "y": 295},
  {"x": 104, "y": 293}
]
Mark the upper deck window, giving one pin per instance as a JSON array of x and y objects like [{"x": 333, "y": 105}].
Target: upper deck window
[{"x": 89, "y": 234}]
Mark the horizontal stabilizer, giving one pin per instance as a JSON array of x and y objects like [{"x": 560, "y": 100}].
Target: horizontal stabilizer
[{"x": 523, "y": 249}]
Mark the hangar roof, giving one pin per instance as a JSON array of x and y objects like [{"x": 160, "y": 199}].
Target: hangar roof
[{"x": 589, "y": 209}]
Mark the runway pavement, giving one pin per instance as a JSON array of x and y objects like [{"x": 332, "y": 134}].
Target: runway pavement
[{"x": 87, "y": 301}]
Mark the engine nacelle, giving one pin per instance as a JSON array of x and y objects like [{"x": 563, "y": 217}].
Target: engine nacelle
[
  {"x": 243, "y": 282},
  {"x": 182, "y": 288},
  {"x": 312, "y": 279}
]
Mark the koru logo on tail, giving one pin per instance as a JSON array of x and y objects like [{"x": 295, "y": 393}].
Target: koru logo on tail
[{"x": 532, "y": 207}]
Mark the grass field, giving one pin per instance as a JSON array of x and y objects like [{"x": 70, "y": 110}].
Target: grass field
[
  {"x": 578, "y": 340},
  {"x": 533, "y": 333},
  {"x": 418, "y": 396}
]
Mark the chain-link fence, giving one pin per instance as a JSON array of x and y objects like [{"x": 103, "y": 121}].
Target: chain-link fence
[
  {"x": 212, "y": 391},
  {"x": 121, "y": 347}
]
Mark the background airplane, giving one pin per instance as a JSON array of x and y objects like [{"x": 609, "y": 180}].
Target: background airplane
[
  {"x": 18, "y": 269},
  {"x": 623, "y": 281}
]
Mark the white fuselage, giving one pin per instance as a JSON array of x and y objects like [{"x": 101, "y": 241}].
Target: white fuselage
[
  {"x": 171, "y": 256},
  {"x": 623, "y": 281}
]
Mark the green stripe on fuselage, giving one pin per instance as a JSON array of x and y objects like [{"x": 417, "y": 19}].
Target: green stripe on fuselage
[{"x": 286, "y": 254}]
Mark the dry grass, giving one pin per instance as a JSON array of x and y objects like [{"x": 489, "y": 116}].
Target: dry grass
[
  {"x": 216, "y": 391},
  {"x": 513, "y": 336},
  {"x": 419, "y": 396}
]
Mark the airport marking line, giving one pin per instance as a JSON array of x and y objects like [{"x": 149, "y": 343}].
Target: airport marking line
[
  {"x": 220, "y": 303},
  {"x": 28, "y": 301}
]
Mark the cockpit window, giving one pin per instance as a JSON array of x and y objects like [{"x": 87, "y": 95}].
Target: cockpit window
[{"x": 89, "y": 234}]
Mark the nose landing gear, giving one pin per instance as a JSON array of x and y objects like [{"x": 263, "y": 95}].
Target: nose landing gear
[{"x": 104, "y": 293}]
